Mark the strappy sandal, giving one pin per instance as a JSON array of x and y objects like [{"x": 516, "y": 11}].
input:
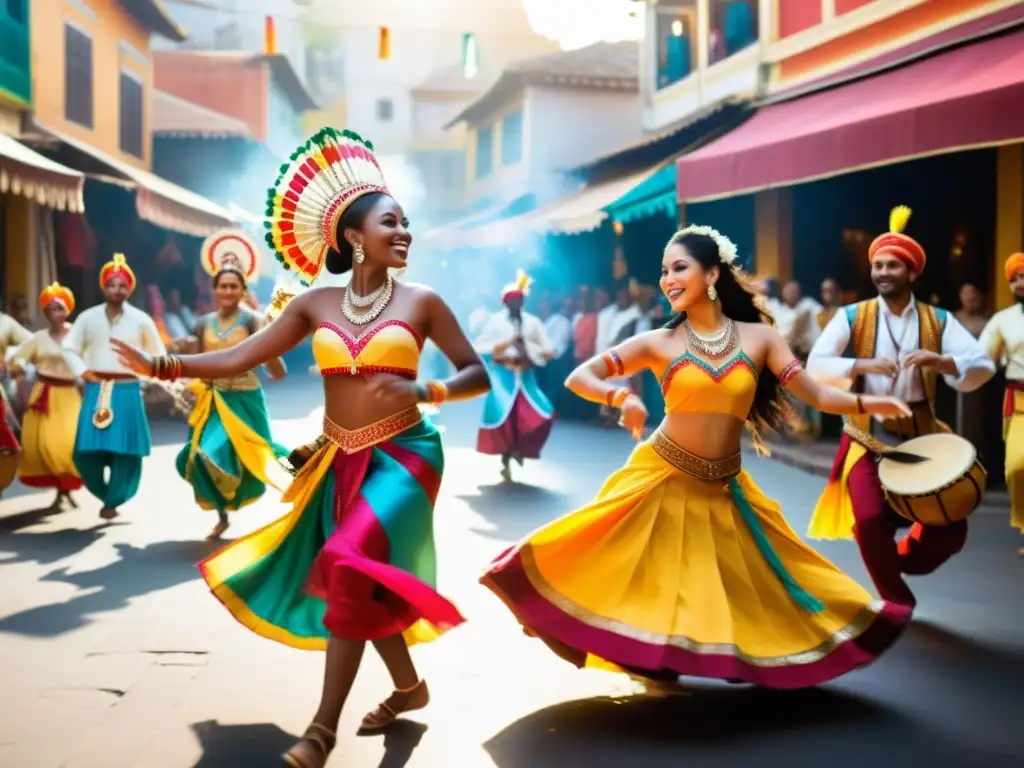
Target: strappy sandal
[
  {"x": 321, "y": 737},
  {"x": 385, "y": 715}
]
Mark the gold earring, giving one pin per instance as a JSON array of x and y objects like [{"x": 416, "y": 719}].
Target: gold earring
[
  {"x": 358, "y": 254},
  {"x": 712, "y": 292}
]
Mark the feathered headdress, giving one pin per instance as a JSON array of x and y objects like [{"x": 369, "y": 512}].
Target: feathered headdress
[
  {"x": 520, "y": 288},
  {"x": 230, "y": 250},
  {"x": 117, "y": 267},
  {"x": 57, "y": 292},
  {"x": 895, "y": 243},
  {"x": 326, "y": 174}
]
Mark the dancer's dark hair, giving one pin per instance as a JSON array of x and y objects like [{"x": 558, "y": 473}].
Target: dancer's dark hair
[
  {"x": 338, "y": 262},
  {"x": 740, "y": 303}
]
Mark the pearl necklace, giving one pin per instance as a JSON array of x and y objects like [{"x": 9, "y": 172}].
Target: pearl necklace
[
  {"x": 379, "y": 303},
  {"x": 364, "y": 301},
  {"x": 719, "y": 345}
]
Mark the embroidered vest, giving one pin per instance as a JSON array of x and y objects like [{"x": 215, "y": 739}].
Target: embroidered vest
[{"x": 864, "y": 329}]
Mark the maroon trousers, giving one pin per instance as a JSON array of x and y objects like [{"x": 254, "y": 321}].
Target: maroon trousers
[{"x": 923, "y": 550}]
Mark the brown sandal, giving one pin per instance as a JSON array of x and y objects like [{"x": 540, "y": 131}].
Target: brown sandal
[
  {"x": 385, "y": 715},
  {"x": 321, "y": 737}
]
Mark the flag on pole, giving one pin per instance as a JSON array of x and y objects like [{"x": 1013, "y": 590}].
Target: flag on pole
[
  {"x": 384, "y": 47},
  {"x": 470, "y": 56},
  {"x": 269, "y": 36}
]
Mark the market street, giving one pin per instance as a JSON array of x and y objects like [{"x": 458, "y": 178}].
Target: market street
[{"x": 115, "y": 655}]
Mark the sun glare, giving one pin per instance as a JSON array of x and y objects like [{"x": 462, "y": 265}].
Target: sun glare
[{"x": 576, "y": 23}]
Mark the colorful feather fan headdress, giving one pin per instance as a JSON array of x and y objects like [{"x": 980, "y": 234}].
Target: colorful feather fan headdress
[
  {"x": 895, "y": 243},
  {"x": 57, "y": 292},
  {"x": 230, "y": 249},
  {"x": 117, "y": 267},
  {"x": 520, "y": 288},
  {"x": 326, "y": 174}
]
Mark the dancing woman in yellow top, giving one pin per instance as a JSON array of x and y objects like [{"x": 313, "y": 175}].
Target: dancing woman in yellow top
[
  {"x": 51, "y": 421},
  {"x": 681, "y": 566}
]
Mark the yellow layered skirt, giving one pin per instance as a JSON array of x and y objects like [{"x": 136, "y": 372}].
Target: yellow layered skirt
[
  {"x": 665, "y": 574},
  {"x": 48, "y": 437}
]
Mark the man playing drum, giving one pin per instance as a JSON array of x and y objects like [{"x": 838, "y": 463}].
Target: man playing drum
[{"x": 895, "y": 345}]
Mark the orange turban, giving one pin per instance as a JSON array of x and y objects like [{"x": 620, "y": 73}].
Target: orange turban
[
  {"x": 895, "y": 243},
  {"x": 1013, "y": 265},
  {"x": 57, "y": 292},
  {"x": 117, "y": 267}
]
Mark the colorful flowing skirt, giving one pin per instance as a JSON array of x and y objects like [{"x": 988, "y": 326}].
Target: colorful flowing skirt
[
  {"x": 517, "y": 415},
  {"x": 355, "y": 557},
  {"x": 682, "y": 566},
  {"x": 230, "y": 458},
  {"x": 9, "y": 445},
  {"x": 113, "y": 419},
  {"x": 48, "y": 436}
]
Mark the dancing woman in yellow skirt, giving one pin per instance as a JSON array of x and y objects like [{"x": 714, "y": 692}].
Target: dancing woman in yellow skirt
[
  {"x": 51, "y": 421},
  {"x": 681, "y": 566}
]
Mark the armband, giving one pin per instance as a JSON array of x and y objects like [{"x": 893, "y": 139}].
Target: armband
[
  {"x": 614, "y": 363},
  {"x": 787, "y": 374}
]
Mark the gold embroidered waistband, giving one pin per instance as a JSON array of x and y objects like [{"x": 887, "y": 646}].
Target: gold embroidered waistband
[
  {"x": 247, "y": 382},
  {"x": 355, "y": 440},
  {"x": 695, "y": 466}
]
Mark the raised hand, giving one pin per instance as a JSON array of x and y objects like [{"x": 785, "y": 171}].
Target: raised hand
[{"x": 135, "y": 360}]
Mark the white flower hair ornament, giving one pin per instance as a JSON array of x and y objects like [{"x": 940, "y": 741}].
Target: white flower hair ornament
[{"x": 726, "y": 248}]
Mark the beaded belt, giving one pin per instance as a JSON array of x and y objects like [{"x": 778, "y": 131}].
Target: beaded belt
[
  {"x": 695, "y": 466},
  {"x": 355, "y": 440}
]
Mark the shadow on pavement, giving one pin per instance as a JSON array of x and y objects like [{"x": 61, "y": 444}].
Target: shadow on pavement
[
  {"x": 47, "y": 546},
  {"x": 515, "y": 508},
  {"x": 136, "y": 572},
  {"x": 261, "y": 745},
  {"x": 718, "y": 727}
]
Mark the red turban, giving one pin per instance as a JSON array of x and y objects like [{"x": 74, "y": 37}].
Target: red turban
[
  {"x": 117, "y": 267},
  {"x": 895, "y": 243}
]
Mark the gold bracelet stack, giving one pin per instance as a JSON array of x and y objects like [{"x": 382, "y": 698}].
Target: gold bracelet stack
[
  {"x": 167, "y": 368},
  {"x": 437, "y": 392},
  {"x": 617, "y": 397}
]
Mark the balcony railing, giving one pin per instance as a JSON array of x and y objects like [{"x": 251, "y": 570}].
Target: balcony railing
[{"x": 15, "y": 74}]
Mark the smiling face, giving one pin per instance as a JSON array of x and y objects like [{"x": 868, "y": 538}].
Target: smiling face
[
  {"x": 384, "y": 234},
  {"x": 891, "y": 276},
  {"x": 115, "y": 291},
  {"x": 229, "y": 289},
  {"x": 683, "y": 280}
]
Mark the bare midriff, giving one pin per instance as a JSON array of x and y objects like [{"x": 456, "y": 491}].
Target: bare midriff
[{"x": 710, "y": 436}]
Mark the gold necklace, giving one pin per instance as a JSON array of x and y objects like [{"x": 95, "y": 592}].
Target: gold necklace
[
  {"x": 719, "y": 345},
  {"x": 382, "y": 300}
]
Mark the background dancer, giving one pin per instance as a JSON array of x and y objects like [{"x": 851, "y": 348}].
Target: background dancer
[
  {"x": 113, "y": 431},
  {"x": 12, "y": 335},
  {"x": 1003, "y": 341},
  {"x": 517, "y": 415},
  {"x": 229, "y": 457},
  {"x": 354, "y": 560},
  {"x": 51, "y": 420},
  {"x": 896, "y": 345},
  {"x": 681, "y": 565}
]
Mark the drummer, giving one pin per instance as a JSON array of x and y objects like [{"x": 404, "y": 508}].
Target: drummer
[
  {"x": 1003, "y": 340},
  {"x": 892, "y": 344}
]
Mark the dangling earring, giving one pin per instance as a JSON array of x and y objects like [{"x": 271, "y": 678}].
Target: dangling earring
[
  {"x": 357, "y": 253},
  {"x": 712, "y": 292}
]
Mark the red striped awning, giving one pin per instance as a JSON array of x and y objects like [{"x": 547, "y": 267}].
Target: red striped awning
[{"x": 962, "y": 99}]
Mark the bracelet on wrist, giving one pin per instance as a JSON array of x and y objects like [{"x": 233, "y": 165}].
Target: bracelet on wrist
[
  {"x": 167, "y": 368},
  {"x": 437, "y": 392},
  {"x": 860, "y": 405},
  {"x": 617, "y": 397}
]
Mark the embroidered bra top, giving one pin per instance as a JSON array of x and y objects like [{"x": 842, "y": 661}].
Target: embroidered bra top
[
  {"x": 693, "y": 385},
  {"x": 388, "y": 347},
  {"x": 213, "y": 336}
]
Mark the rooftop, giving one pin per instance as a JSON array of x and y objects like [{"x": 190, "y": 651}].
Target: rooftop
[{"x": 177, "y": 117}]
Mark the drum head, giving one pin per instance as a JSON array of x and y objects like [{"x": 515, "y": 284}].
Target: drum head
[{"x": 949, "y": 457}]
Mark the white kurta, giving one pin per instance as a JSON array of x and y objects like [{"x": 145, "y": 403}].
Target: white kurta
[
  {"x": 499, "y": 329},
  {"x": 1003, "y": 341},
  {"x": 87, "y": 345}
]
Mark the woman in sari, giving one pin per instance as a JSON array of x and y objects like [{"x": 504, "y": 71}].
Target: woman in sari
[{"x": 354, "y": 560}]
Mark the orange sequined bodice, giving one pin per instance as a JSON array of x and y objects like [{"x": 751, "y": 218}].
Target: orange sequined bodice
[
  {"x": 389, "y": 347},
  {"x": 693, "y": 385}
]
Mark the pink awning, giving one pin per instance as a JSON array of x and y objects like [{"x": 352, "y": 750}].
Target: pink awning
[{"x": 965, "y": 98}]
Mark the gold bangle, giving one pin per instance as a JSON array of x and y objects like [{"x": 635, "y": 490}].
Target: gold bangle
[
  {"x": 619, "y": 397},
  {"x": 437, "y": 392}
]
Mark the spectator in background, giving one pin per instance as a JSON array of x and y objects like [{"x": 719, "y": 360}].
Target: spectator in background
[
  {"x": 796, "y": 318},
  {"x": 972, "y": 314},
  {"x": 831, "y": 300},
  {"x": 584, "y": 345},
  {"x": 558, "y": 325}
]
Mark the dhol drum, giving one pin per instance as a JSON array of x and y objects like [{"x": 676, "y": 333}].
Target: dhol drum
[{"x": 944, "y": 489}]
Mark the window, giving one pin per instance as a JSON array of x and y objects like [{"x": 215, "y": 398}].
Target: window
[
  {"x": 676, "y": 25},
  {"x": 512, "y": 138},
  {"x": 484, "y": 151},
  {"x": 385, "y": 111},
  {"x": 131, "y": 115},
  {"x": 16, "y": 10},
  {"x": 77, "y": 76},
  {"x": 733, "y": 28}
]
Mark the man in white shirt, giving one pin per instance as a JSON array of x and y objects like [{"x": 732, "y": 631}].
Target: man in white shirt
[
  {"x": 517, "y": 415},
  {"x": 113, "y": 431},
  {"x": 891, "y": 345}
]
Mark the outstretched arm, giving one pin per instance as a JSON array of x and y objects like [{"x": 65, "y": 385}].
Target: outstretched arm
[
  {"x": 791, "y": 374},
  {"x": 589, "y": 380},
  {"x": 270, "y": 342},
  {"x": 470, "y": 379}
]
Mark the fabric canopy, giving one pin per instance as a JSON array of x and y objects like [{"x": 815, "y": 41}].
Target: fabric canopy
[
  {"x": 964, "y": 98},
  {"x": 655, "y": 195},
  {"x": 27, "y": 173},
  {"x": 584, "y": 211}
]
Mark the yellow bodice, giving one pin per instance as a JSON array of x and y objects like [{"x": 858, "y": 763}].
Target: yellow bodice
[
  {"x": 693, "y": 385},
  {"x": 215, "y": 337},
  {"x": 390, "y": 347}
]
